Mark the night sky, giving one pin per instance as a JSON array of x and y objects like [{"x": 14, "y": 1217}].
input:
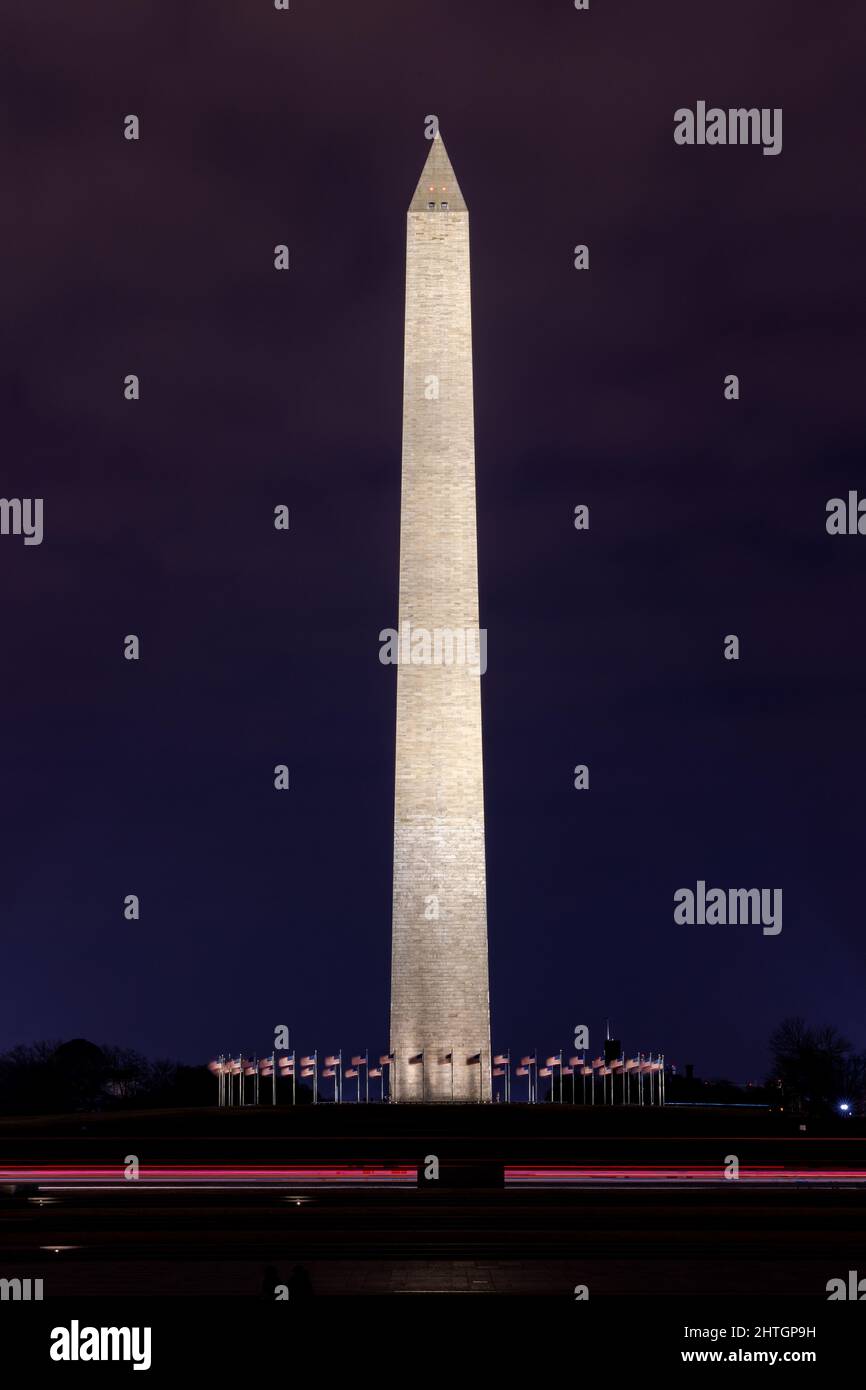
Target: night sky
[{"x": 258, "y": 388}]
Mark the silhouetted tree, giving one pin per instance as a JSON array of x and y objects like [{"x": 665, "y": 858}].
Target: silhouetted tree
[
  {"x": 51, "y": 1078},
  {"x": 816, "y": 1067}
]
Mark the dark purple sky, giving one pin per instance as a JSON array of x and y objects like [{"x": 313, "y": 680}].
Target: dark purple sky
[{"x": 258, "y": 388}]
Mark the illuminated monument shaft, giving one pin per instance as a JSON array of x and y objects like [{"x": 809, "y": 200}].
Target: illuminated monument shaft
[{"x": 440, "y": 1005}]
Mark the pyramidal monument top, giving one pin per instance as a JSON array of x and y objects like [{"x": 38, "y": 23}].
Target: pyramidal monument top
[{"x": 438, "y": 189}]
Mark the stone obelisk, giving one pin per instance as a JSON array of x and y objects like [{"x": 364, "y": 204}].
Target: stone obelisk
[{"x": 440, "y": 1003}]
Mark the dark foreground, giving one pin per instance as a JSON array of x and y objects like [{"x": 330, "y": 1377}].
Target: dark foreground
[
  {"x": 722, "y": 1243},
  {"x": 617, "y": 1203}
]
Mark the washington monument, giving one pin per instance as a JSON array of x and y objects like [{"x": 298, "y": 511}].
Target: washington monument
[{"x": 440, "y": 1003}]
